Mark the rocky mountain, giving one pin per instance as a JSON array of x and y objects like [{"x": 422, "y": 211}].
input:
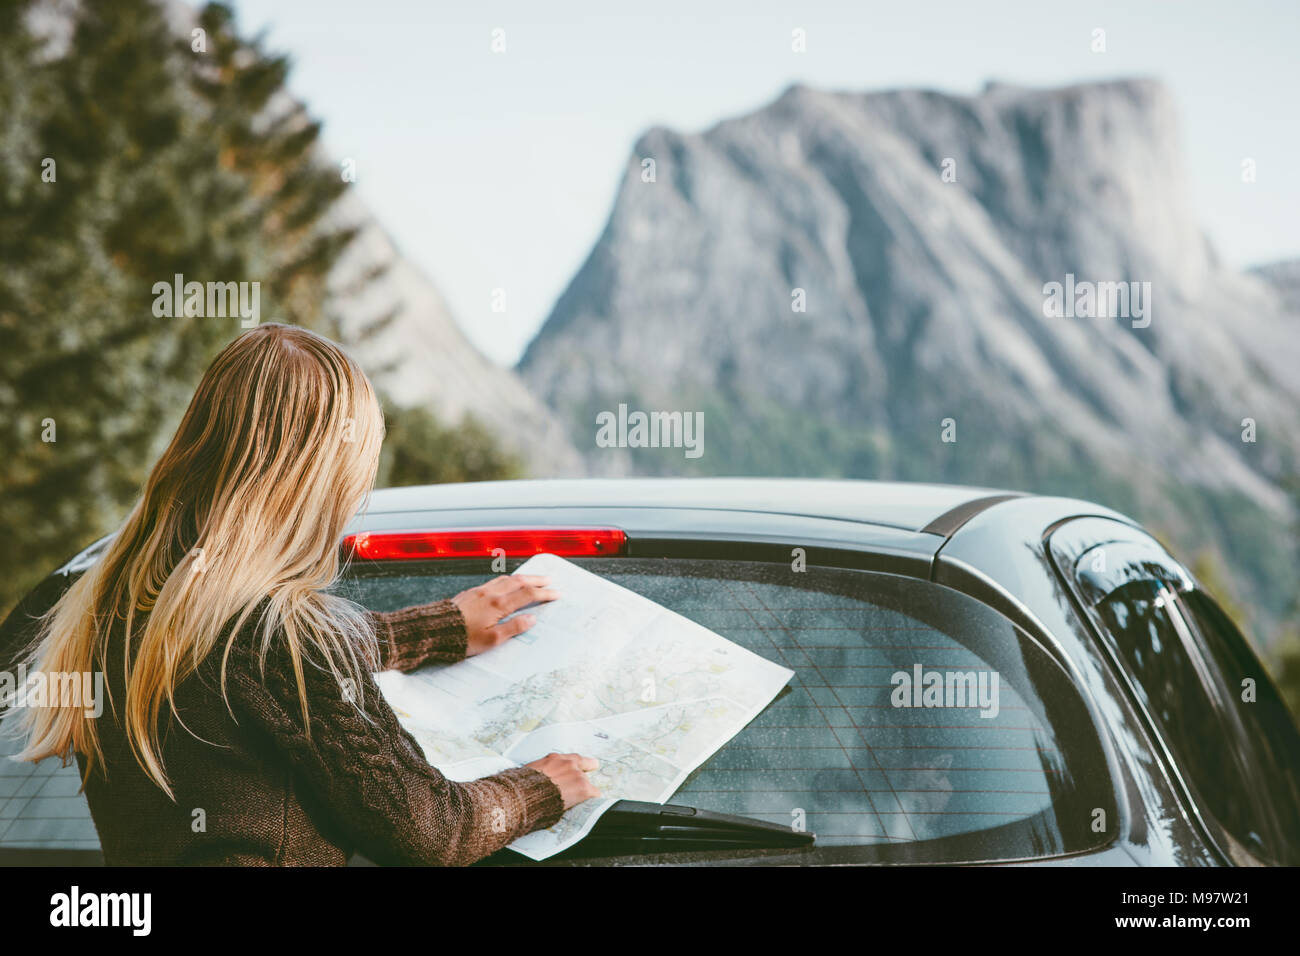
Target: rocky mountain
[
  {"x": 841, "y": 281},
  {"x": 1284, "y": 277},
  {"x": 423, "y": 358}
]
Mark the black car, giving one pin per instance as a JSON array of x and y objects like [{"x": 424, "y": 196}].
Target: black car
[{"x": 1130, "y": 722}]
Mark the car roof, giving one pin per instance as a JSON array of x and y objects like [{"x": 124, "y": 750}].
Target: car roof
[{"x": 903, "y": 505}]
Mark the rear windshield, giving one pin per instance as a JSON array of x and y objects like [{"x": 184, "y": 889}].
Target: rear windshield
[{"x": 1012, "y": 769}]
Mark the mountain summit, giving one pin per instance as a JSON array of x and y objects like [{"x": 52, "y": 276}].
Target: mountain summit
[{"x": 871, "y": 285}]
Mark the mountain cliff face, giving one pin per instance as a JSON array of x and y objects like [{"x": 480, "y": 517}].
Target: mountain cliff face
[
  {"x": 918, "y": 231},
  {"x": 422, "y": 358},
  {"x": 1284, "y": 277}
]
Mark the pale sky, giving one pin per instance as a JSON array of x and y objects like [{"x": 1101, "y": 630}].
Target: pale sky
[{"x": 498, "y": 170}]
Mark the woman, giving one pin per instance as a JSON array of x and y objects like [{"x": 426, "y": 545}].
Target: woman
[{"x": 243, "y": 724}]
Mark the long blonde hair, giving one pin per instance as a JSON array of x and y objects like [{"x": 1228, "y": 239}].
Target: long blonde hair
[{"x": 277, "y": 451}]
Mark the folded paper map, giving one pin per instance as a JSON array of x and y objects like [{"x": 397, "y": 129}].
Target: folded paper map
[{"x": 604, "y": 673}]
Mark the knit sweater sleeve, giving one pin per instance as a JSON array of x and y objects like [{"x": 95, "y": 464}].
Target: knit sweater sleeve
[
  {"x": 369, "y": 779},
  {"x": 423, "y": 634}
]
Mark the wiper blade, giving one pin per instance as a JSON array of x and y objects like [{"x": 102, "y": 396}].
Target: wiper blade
[{"x": 658, "y": 827}]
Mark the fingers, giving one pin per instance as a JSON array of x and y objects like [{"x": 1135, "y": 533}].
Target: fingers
[
  {"x": 509, "y": 593},
  {"x": 585, "y": 764},
  {"x": 508, "y": 629},
  {"x": 569, "y": 773},
  {"x": 514, "y": 600},
  {"x": 509, "y": 582},
  {"x": 585, "y": 788},
  {"x": 532, "y": 580}
]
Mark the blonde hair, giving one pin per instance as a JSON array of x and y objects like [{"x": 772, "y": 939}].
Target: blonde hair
[{"x": 276, "y": 453}]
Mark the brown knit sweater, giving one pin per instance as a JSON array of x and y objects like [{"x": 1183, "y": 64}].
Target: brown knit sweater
[{"x": 252, "y": 788}]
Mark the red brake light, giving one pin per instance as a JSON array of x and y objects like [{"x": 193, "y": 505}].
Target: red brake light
[{"x": 484, "y": 543}]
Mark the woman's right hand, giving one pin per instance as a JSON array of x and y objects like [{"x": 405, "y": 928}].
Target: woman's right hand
[{"x": 569, "y": 773}]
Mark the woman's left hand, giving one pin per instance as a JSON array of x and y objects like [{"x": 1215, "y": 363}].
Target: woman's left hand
[{"x": 483, "y": 608}]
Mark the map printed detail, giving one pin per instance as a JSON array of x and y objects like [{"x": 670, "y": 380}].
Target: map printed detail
[{"x": 604, "y": 673}]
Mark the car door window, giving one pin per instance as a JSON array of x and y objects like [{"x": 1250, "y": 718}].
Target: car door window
[
  {"x": 1269, "y": 735},
  {"x": 1154, "y": 619}
]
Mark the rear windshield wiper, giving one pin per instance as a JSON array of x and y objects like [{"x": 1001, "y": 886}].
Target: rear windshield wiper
[{"x": 634, "y": 825}]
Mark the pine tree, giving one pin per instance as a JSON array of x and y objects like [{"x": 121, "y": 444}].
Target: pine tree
[
  {"x": 93, "y": 214},
  {"x": 128, "y": 155}
]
